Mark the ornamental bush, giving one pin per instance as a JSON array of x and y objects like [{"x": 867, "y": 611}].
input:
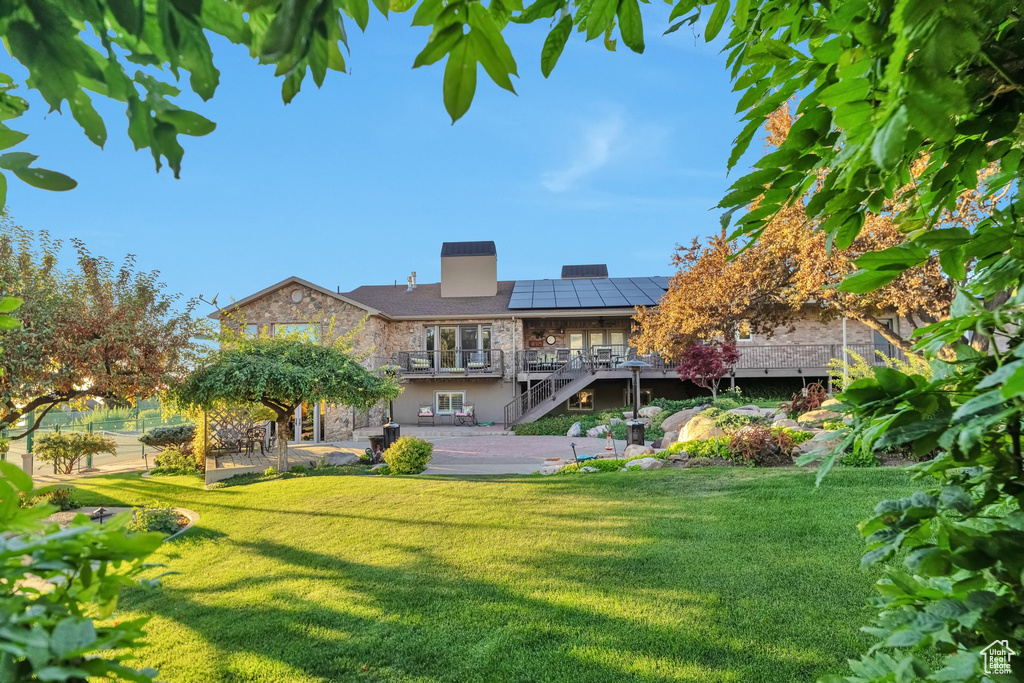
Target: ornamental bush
[
  {"x": 759, "y": 445},
  {"x": 66, "y": 450},
  {"x": 173, "y": 461},
  {"x": 408, "y": 455},
  {"x": 178, "y": 437},
  {"x": 162, "y": 520}
]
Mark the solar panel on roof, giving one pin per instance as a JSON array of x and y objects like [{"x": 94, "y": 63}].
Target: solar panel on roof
[{"x": 588, "y": 292}]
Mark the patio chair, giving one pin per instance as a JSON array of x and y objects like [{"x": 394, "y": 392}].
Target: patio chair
[
  {"x": 561, "y": 357},
  {"x": 532, "y": 359},
  {"x": 425, "y": 413},
  {"x": 604, "y": 356},
  {"x": 419, "y": 363},
  {"x": 465, "y": 415},
  {"x": 477, "y": 360}
]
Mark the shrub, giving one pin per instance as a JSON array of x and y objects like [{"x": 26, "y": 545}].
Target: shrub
[
  {"x": 844, "y": 373},
  {"x": 706, "y": 364},
  {"x": 759, "y": 445},
  {"x": 299, "y": 469},
  {"x": 383, "y": 469},
  {"x": 797, "y": 436},
  {"x": 408, "y": 455},
  {"x": 164, "y": 520},
  {"x": 270, "y": 472},
  {"x": 860, "y": 458},
  {"x": 62, "y": 497},
  {"x": 603, "y": 464},
  {"x": 804, "y": 401},
  {"x": 173, "y": 461},
  {"x": 703, "y": 448},
  {"x": 66, "y": 450},
  {"x": 177, "y": 437},
  {"x": 732, "y": 422}
]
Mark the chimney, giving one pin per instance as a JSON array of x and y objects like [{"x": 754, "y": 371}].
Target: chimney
[
  {"x": 411, "y": 281},
  {"x": 469, "y": 269}
]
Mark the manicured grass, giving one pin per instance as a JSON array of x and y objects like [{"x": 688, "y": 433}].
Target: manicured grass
[{"x": 724, "y": 574}]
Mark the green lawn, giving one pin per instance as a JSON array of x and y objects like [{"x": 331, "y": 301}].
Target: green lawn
[{"x": 718, "y": 574}]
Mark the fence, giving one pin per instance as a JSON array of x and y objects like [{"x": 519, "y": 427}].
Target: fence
[{"x": 125, "y": 433}]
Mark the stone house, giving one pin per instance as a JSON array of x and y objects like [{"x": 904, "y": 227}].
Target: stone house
[{"x": 514, "y": 350}]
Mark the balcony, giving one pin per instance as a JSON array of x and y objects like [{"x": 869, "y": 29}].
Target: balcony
[
  {"x": 778, "y": 360},
  {"x": 435, "y": 364}
]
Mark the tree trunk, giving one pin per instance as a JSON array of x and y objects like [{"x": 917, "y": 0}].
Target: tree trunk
[
  {"x": 896, "y": 340},
  {"x": 282, "y": 442}
]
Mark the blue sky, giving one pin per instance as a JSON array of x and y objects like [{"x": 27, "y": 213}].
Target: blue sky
[{"x": 613, "y": 159}]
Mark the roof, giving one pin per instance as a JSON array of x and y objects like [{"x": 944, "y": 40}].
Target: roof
[
  {"x": 590, "y": 270},
  {"x": 468, "y": 249},
  {"x": 426, "y": 300},
  {"x": 284, "y": 283}
]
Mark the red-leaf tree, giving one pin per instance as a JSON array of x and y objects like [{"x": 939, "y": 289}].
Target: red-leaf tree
[
  {"x": 92, "y": 331},
  {"x": 705, "y": 364}
]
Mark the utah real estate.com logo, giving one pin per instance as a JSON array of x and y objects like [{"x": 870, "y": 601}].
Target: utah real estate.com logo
[{"x": 997, "y": 657}]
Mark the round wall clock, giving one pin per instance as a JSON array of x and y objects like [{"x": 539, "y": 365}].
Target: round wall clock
[{"x": 550, "y": 340}]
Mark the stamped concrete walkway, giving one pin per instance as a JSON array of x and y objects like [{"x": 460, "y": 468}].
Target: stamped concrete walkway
[{"x": 508, "y": 454}]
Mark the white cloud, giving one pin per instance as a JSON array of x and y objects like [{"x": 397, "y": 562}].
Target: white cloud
[{"x": 600, "y": 142}]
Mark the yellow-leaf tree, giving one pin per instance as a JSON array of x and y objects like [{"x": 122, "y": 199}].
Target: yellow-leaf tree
[{"x": 790, "y": 269}]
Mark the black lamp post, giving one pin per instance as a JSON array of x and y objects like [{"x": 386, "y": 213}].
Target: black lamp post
[{"x": 635, "y": 428}]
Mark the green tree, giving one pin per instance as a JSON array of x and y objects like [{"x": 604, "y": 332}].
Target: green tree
[
  {"x": 67, "y": 450},
  {"x": 92, "y": 331},
  {"x": 280, "y": 373}
]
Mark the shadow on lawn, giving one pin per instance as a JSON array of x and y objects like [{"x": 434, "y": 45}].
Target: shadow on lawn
[{"x": 426, "y": 620}]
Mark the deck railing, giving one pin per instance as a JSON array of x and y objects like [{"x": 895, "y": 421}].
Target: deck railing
[
  {"x": 463, "y": 362},
  {"x": 577, "y": 366},
  {"x": 752, "y": 357}
]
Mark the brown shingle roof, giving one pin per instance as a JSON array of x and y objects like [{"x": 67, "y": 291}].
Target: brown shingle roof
[{"x": 426, "y": 300}]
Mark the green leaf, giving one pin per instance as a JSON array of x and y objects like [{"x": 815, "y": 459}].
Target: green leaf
[
  {"x": 9, "y": 303},
  {"x": 602, "y": 13},
  {"x": 887, "y": 148},
  {"x": 188, "y": 122},
  {"x": 717, "y": 20},
  {"x": 16, "y": 475},
  {"x": 484, "y": 52},
  {"x": 631, "y": 26},
  {"x": 901, "y": 257},
  {"x": 72, "y": 635},
  {"x": 3, "y": 190},
  {"x": 88, "y": 118},
  {"x": 16, "y": 160},
  {"x": 979, "y": 404},
  {"x": 426, "y": 14},
  {"x": 8, "y": 323},
  {"x": 439, "y": 45},
  {"x": 459, "y": 80},
  {"x": 10, "y": 138},
  {"x": 867, "y": 280},
  {"x": 46, "y": 180},
  {"x": 481, "y": 20},
  {"x": 554, "y": 44}
]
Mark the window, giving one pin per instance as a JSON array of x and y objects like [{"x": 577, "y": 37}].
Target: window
[
  {"x": 250, "y": 331},
  {"x": 305, "y": 330},
  {"x": 457, "y": 338},
  {"x": 448, "y": 402},
  {"x": 743, "y": 331},
  {"x": 584, "y": 400}
]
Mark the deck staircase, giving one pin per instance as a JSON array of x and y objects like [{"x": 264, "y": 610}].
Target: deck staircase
[{"x": 558, "y": 387}]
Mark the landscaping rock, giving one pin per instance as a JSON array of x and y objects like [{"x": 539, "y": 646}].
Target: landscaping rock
[
  {"x": 340, "y": 458},
  {"x": 377, "y": 467},
  {"x": 674, "y": 423},
  {"x": 823, "y": 442},
  {"x": 749, "y": 406},
  {"x": 645, "y": 464},
  {"x": 699, "y": 427},
  {"x": 831, "y": 402},
  {"x": 817, "y": 416},
  {"x": 649, "y": 411},
  {"x": 634, "y": 450},
  {"x": 746, "y": 411},
  {"x": 588, "y": 468},
  {"x": 787, "y": 423},
  {"x": 597, "y": 432},
  {"x": 657, "y": 444},
  {"x": 615, "y": 421},
  {"x": 575, "y": 430}
]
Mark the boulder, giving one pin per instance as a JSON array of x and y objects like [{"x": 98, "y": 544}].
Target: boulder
[
  {"x": 597, "y": 432},
  {"x": 746, "y": 411},
  {"x": 674, "y": 423},
  {"x": 340, "y": 458},
  {"x": 749, "y": 406},
  {"x": 627, "y": 414},
  {"x": 817, "y": 416},
  {"x": 831, "y": 402},
  {"x": 657, "y": 444},
  {"x": 615, "y": 421},
  {"x": 822, "y": 443},
  {"x": 644, "y": 464},
  {"x": 649, "y": 411},
  {"x": 378, "y": 466},
  {"x": 588, "y": 468},
  {"x": 787, "y": 423},
  {"x": 633, "y": 450},
  {"x": 700, "y": 427},
  {"x": 575, "y": 430}
]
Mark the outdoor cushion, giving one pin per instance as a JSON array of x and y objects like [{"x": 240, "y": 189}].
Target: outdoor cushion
[{"x": 426, "y": 412}]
